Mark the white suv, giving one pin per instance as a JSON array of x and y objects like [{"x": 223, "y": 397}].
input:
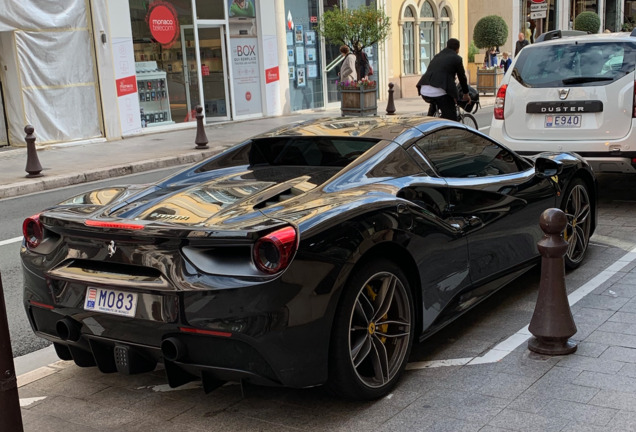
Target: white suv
[{"x": 572, "y": 94}]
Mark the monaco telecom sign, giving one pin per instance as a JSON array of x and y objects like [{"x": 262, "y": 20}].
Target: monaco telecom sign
[{"x": 163, "y": 23}]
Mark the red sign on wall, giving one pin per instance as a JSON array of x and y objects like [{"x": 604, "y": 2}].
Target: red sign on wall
[
  {"x": 163, "y": 23},
  {"x": 205, "y": 70},
  {"x": 126, "y": 86},
  {"x": 271, "y": 75}
]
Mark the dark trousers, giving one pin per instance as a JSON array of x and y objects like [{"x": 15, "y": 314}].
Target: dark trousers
[{"x": 445, "y": 103}]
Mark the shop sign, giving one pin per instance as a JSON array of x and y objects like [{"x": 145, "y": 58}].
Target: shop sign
[
  {"x": 271, "y": 75},
  {"x": 163, "y": 23},
  {"x": 205, "y": 70},
  {"x": 538, "y": 7},
  {"x": 126, "y": 86},
  {"x": 538, "y": 15},
  {"x": 538, "y": 1}
]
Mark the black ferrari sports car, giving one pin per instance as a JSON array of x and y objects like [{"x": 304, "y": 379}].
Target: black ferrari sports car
[{"x": 314, "y": 254}]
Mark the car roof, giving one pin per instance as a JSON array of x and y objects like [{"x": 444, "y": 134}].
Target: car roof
[
  {"x": 593, "y": 37},
  {"x": 380, "y": 127}
]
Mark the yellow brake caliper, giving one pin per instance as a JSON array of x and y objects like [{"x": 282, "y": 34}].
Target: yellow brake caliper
[{"x": 372, "y": 327}]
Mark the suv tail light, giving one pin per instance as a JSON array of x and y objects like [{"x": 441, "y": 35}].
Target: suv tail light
[
  {"x": 32, "y": 231},
  {"x": 274, "y": 252},
  {"x": 500, "y": 102}
]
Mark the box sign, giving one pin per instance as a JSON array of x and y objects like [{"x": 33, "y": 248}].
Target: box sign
[
  {"x": 537, "y": 15},
  {"x": 163, "y": 23}
]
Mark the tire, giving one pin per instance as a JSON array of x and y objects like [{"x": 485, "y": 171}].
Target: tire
[
  {"x": 578, "y": 209},
  {"x": 371, "y": 339},
  {"x": 469, "y": 120}
]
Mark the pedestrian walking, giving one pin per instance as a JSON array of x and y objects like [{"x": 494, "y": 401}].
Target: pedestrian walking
[
  {"x": 522, "y": 42},
  {"x": 348, "y": 68}
]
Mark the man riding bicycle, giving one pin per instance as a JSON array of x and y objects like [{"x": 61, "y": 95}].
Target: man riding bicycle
[{"x": 437, "y": 85}]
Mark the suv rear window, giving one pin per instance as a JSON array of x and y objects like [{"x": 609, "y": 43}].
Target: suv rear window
[{"x": 574, "y": 64}]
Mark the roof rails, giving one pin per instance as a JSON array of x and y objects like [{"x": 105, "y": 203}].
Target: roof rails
[{"x": 554, "y": 34}]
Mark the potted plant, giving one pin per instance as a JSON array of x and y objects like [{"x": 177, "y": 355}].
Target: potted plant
[
  {"x": 472, "y": 65},
  {"x": 587, "y": 21},
  {"x": 490, "y": 31},
  {"x": 356, "y": 28},
  {"x": 358, "y": 97}
]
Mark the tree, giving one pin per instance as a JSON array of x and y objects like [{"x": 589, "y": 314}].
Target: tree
[
  {"x": 490, "y": 31},
  {"x": 587, "y": 21},
  {"x": 356, "y": 28}
]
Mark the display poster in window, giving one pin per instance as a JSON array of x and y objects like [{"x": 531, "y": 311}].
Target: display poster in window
[
  {"x": 310, "y": 37},
  {"x": 242, "y": 8},
  {"x": 312, "y": 70},
  {"x": 300, "y": 77},
  {"x": 311, "y": 54},
  {"x": 292, "y": 72},
  {"x": 245, "y": 70},
  {"x": 290, "y": 38},
  {"x": 126, "y": 81},
  {"x": 300, "y": 55},
  {"x": 298, "y": 34},
  {"x": 290, "y": 56}
]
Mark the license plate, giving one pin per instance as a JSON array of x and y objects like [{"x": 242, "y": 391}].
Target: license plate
[
  {"x": 562, "y": 121},
  {"x": 110, "y": 301}
]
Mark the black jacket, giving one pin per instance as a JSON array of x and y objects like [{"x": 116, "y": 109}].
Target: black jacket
[{"x": 441, "y": 73}]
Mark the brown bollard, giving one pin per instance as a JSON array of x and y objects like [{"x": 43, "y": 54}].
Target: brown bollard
[
  {"x": 390, "y": 106},
  {"x": 552, "y": 323},
  {"x": 10, "y": 417},
  {"x": 33, "y": 166},
  {"x": 201, "y": 140}
]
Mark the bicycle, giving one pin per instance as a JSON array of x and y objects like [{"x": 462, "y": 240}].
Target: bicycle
[{"x": 462, "y": 115}]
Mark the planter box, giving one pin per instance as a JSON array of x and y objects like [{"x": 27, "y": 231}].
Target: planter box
[
  {"x": 489, "y": 80},
  {"x": 359, "y": 102}
]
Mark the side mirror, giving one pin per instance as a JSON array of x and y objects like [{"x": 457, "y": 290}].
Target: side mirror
[{"x": 545, "y": 167}]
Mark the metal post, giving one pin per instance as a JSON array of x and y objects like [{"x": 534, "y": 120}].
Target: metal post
[
  {"x": 390, "y": 106},
  {"x": 201, "y": 139},
  {"x": 11, "y": 417},
  {"x": 33, "y": 166},
  {"x": 552, "y": 323}
]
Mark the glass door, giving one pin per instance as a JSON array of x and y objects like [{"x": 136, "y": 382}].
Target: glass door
[{"x": 213, "y": 72}]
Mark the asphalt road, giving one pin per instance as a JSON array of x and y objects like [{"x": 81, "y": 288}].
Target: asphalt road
[{"x": 14, "y": 211}]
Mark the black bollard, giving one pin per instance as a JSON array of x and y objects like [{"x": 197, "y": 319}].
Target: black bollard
[
  {"x": 11, "y": 417},
  {"x": 33, "y": 166},
  {"x": 201, "y": 140},
  {"x": 390, "y": 106},
  {"x": 552, "y": 323}
]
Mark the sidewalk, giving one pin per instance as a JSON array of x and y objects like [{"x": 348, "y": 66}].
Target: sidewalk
[{"x": 73, "y": 163}]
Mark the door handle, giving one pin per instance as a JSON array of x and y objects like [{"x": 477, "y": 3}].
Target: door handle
[{"x": 475, "y": 222}]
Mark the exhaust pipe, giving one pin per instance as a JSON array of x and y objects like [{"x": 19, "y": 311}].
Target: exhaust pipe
[
  {"x": 173, "y": 349},
  {"x": 68, "y": 330}
]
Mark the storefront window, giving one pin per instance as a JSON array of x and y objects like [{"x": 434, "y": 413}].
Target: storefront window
[
  {"x": 537, "y": 22},
  {"x": 165, "y": 61},
  {"x": 213, "y": 9},
  {"x": 427, "y": 36},
  {"x": 408, "y": 50},
  {"x": 303, "y": 55},
  {"x": 444, "y": 28}
]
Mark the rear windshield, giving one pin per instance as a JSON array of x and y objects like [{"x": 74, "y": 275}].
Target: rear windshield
[
  {"x": 574, "y": 64},
  {"x": 308, "y": 151}
]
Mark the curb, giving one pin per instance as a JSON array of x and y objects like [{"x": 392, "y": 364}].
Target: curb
[{"x": 45, "y": 183}]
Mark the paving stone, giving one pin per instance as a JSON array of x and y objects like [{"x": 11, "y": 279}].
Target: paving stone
[
  {"x": 506, "y": 385},
  {"x": 620, "y": 354},
  {"x": 616, "y": 400},
  {"x": 616, "y": 339},
  {"x": 624, "y": 421},
  {"x": 47, "y": 423},
  {"x": 590, "y": 349},
  {"x": 628, "y": 370},
  {"x": 476, "y": 408},
  {"x": 578, "y": 362},
  {"x": 623, "y": 317},
  {"x": 523, "y": 421},
  {"x": 603, "y": 302},
  {"x": 591, "y": 315},
  {"x": 617, "y": 327},
  {"x": 606, "y": 382},
  {"x": 582, "y": 413}
]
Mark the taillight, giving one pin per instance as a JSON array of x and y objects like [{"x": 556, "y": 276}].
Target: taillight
[
  {"x": 274, "y": 252},
  {"x": 32, "y": 231},
  {"x": 115, "y": 225},
  {"x": 500, "y": 102}
]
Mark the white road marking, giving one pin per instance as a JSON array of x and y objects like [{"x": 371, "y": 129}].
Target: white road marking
[
  {"x": 9, "y": 241},
  {"x": 25, "y": 402},
  {"x": 498, "y": 352}
]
